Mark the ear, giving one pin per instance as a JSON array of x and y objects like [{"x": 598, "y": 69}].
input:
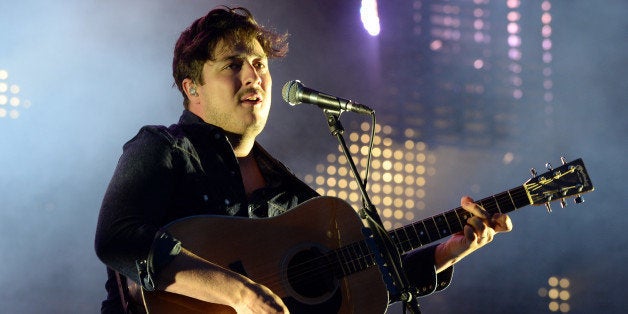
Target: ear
[{"x": 189, "y": 87}]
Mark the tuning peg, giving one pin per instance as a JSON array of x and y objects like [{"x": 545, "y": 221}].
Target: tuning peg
[
  {"x": 563, "y": 204},
  {"x": 548, "y": 166},
  {"x": 533, "y": 172},
  {"x": 549, "y": 207},
  {"x": 563, "y": 160},
  {"x": 578, "y": 199}
]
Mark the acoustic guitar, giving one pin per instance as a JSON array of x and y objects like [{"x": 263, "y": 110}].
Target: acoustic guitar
[{"x": 315, "y": 256}]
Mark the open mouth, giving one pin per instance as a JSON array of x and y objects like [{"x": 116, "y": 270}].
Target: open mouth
[{"x": 252, "y": 99}]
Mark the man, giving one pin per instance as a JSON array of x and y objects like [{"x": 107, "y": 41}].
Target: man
[{"x": 209, "y": 163}]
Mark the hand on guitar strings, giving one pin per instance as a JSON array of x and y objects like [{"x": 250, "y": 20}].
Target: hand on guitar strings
[{"x": 479, "y": 231}]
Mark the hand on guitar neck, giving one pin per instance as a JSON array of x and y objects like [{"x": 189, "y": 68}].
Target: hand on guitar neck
[{"x": 479, "y": 231}]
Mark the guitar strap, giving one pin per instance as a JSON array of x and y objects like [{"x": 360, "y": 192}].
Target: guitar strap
[
  {"x": 126, "y": 298},
  {"x": 123, "y": 289}
]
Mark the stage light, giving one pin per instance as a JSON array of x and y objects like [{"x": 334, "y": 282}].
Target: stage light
[
  {"x": 398, "y": 177},
  {"x": 546, "y": 45},
  {"x": 10, "y": 102},
  {"x": 370, "y": 17},
  {"x": 557, "y": 293}
]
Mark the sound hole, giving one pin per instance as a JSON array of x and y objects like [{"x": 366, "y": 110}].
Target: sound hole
[{"x": 310, "y": 274}]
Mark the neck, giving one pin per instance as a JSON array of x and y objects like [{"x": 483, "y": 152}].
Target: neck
[{"x": 242, "y": 144}]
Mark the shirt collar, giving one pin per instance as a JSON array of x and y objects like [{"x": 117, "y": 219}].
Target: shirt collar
[
  {"x": 264, "y": 159},
  {"x": 187, "y": 117}
]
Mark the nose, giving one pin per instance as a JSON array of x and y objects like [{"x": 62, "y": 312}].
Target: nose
[{"x": 250, "y": 75}]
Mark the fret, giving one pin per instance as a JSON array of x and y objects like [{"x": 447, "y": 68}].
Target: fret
[
  {"x": 506, "y": 204},
  {"x": 421, "y": 232},
  {"x": 413, "y": 239},
  {"x": 352, "y": 260},
  {"x": 432, "y": 229},
  {"x": 463, "y": 215},
  {"x": 358, "y": 256},
  {"x": 364, "y": 263},
  {"x": 489, "y": 205},
  {"x": 340, "y": 262},
  {"x": 346, "y": 257},
  {"x": 454, "y": 221},
  {"x": 499, "y": 210},
  {"x": 368, "y": 255},
  {"x": 519, "y": 197},
  {"x": 404, "y": 242},
  {"x": 352, "y": 257},
  {"x": 444, "y": 230}
]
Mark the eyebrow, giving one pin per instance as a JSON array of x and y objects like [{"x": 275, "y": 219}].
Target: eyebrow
[{"x": 240, "y": 56}]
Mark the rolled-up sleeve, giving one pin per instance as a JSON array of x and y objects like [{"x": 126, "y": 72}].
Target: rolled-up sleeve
[
  {"x": 421, "y": 272},
  {"x": 164, "y": 249}
]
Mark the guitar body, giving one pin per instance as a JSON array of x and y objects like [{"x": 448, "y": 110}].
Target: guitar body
[{"x": 272, "y": 251}]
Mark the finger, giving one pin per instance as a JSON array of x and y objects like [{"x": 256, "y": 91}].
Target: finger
[
  {"x": 276, "y": 303},
  {"x": 501, "y": 222},
  {"x": 487, "y": 236},
  {"x": 469, "y": 233},
  {"x": 481, "y": 238},
  {"x": 477, "y": 210},
  {"x": 478, "y": 225},
  {"x": 282, "y": 307}
]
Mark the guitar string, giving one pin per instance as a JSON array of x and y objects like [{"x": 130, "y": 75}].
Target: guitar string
[{"x": 355, "y": 263}]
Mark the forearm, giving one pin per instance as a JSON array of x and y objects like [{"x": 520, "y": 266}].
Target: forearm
[
  {"x": 442, "y": 259},
  {"x": 455, "y": 248},
  {"x": 190, "y": 275}
]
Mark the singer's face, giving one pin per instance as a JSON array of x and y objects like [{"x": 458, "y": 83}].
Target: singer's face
[{"x": 236, "y": 95}]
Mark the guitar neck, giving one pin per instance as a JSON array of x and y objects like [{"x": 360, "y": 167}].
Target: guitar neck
[
  {"x": 440, "y": 226},
  {"x": 357, "y": 256},
  {"x": 570, "y": 179}
]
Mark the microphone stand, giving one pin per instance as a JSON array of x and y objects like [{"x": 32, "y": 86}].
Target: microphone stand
[{"x": 387, "y": 255}]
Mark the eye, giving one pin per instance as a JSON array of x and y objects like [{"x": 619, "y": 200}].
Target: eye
[
  {"x": 234, "y": 66},
  {"x": 261, "y": 66}
]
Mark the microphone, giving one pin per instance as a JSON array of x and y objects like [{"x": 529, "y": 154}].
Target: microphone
[{"x": 294, "y": 93}]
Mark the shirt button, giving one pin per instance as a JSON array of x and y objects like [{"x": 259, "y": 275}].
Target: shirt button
[
  {"x": 227, "y": 202},
  {"x": 233, "y": 173},
  {"x": 217, "y": 136},
  {"x": 205, "y": 198}
]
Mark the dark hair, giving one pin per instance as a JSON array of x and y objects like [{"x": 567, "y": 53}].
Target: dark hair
[{"x": 196, "y": 44}]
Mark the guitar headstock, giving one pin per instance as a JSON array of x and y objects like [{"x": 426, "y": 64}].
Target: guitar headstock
[{"x": 570, "y": 179}]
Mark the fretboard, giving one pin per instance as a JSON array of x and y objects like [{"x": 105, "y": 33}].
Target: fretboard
[
  {"x": 357, "y": 256},
  {"x": 437, "y": 227}
]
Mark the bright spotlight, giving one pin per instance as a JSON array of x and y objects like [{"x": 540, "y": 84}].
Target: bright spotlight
[{"x": 370, "y": 17}]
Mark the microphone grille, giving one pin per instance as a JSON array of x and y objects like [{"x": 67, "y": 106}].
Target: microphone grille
[{"x": 290, "y": 91}]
